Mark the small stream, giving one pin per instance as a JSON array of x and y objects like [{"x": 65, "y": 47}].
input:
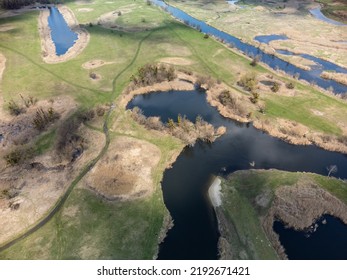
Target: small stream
[{"x": 195, "y": 233}]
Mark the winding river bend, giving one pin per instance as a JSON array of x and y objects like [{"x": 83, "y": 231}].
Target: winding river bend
[
  {"x": 271, "y": 60},
  {"x": 195, "y": 233}
]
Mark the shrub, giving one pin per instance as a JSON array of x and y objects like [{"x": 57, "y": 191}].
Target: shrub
[
  {"x": 92, "y": 75},
  {"x": 248, "y": 82},
  {"x": 290, "y": 85},
  {"x": 100, "y": 111},
  {"x": 206, "y": 36},
  {"x": 43, "y": 118},
  {"x": 18, "y": 156},
  {"x": 254, "y": 98},
  {"x": 14, "y": 108},
  {"x": 151, "y": 74},
  {"x": 275, "y": 87},
  {"x": 255, "y": 60}
]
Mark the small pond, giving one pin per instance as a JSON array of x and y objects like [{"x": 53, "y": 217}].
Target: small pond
[
  {"x": 62, "y": 36},
  {"x": 195, "y": 233},
  {"x": 325, "y": 239},
  {"x": 268, "y": 38}
]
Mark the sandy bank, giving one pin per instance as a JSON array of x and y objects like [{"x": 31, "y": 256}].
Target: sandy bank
[
  {"x": 47, "y": 45},
  {"x": 214, "y": 192}
]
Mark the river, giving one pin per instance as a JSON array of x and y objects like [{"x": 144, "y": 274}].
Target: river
[
  {"x": 195, "y": 233},
  {"x": 252, "y": 51}
]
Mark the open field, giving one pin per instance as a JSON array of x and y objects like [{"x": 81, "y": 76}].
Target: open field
[
  {"x": 89, "y": 226},
  {"x": 251, "y": 200}
]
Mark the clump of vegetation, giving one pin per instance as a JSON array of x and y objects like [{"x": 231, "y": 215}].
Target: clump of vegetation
[
  {"x": 233, "y": 103},
  {"x": 206, "y": 36},
  {"x": 183, "y": 129},
  {"x": 43, "y": 118},
  {"x": 290, "y": 85},
  {"x": 275, "y": 87},
  {"x": 207, "y": 81},
  {"x": 28, "y": 101},
  {"x": 69, "y": 142},
  {"x": 92, "y": 75},
  {"x": 14, "y": 108},
  {"x": 19, "y": 108},
  {"x": 248, "y": 82},
  {"x": 255, "y": 61},
  {"x": 255, "y": 97},
  {"x": 151, "y": 74},
  {"x": 18, "y": 156}
]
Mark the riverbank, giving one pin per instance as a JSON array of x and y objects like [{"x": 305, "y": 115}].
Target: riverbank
[
  {"x": 48, "y": 48},
  {"x": 252, "y": 200},
  {"x": 245, "y": 111}
]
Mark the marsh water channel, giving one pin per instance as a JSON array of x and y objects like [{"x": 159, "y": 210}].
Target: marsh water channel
[
  {"x": 195, "y": 232},
  {"x": 252, "y": 51}
]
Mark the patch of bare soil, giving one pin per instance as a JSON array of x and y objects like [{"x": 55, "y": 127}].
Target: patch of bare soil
[
  {"x": 29, "y": 191},
  {"x": 299, "y": 207},
  {"x": 6, "y": 27},
  {"x": 85, "y": 10},
  {"x": 47, "y": 45},
  {"x": 126, "y": 170},
  {"x": 96, "y": 63},
  {"x": 176, "y": 60}
]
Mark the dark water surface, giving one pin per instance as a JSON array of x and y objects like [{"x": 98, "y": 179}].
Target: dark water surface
[
  {"x": 327, "y": 241},
  {"x": 62, "y": 36},
  {"x": 271, "y": 60},
  {"x": 195, "y": 234}
]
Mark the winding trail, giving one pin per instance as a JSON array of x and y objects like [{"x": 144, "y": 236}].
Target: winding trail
[{"x": 58, "y": 206}]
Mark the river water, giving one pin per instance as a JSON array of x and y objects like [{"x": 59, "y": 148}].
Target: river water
[
  {"x": 195, "y": 233},
  {"x": 271, "y": 60}
]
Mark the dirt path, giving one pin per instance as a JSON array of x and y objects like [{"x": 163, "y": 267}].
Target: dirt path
[
  {"x": 47, "y": 45},
  {"x": 58, "y": 206}
]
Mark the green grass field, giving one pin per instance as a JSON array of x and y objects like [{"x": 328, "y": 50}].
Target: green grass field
[{"x": 126, "y": 230}]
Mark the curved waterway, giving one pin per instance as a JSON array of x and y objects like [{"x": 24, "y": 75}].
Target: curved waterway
[
  {"x": 271, "y": 60},
  {"x": 317, "y": 13},
  {"x": 326, "y": 239},
  {"x": 195, "y": 232},
  {"x": 62, "y": 36}
]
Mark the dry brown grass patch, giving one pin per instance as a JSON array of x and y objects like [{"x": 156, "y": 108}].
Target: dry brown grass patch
[{"x": 126, "y": 170}]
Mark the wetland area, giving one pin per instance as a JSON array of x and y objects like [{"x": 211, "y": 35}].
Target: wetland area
[{"x": 155, "y": 133}]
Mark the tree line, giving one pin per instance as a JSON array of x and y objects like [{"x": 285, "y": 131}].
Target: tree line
[{"x": 16, "y": 4}]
